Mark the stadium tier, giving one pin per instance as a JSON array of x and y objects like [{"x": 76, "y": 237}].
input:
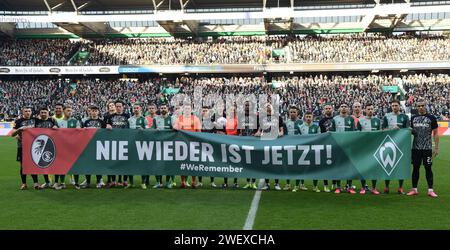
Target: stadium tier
[
  {"x": 227, "y": 50},
  {"x": 308, "y": 92}
]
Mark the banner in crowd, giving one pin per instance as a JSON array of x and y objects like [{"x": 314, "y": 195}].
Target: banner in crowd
[
  {"x": 218, "y": 68},
  {"x": 352, "y": 155},
  {"x": 280, "y": 67},
  {"x": 59, "y": 70}
]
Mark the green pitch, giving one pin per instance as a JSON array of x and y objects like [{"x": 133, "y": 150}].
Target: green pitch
[{"x": 217, "y": 209}]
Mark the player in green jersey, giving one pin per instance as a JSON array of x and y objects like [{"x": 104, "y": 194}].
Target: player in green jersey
[
  {"x": 163, "y": 122},
  {"x": 137, "y": 121},
  {"x": 395, "y": 120},
  {"x": 292, "y": 127},
  {"x": 369, "y": 123},
  {"x": 307, "y": 128},
  {"x": 343, "y": 123},
  {"x": 67, "y": 121}
]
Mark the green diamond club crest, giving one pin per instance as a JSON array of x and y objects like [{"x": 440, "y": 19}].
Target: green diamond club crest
[{"x": 388, "y": 155}]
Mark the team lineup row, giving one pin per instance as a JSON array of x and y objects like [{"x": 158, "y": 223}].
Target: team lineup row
[{"x": 423, "y": 126}]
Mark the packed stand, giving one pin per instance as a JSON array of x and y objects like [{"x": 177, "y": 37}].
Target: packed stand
[
  {"x": 36, "y": 52},
  {"x": 309, "y": 93}
]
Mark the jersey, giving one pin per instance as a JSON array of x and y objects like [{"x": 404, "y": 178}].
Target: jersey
[
  {"x": 150, "y": 120},
  {"x": 356, "y": 118},
  {"x": 137, "y": 122},
  {"x": 118, "y": 120},
  {"x": 70, "y": 123},
  {"x": 249, "y": 125},
  {"x": 49, "y": 123},
  {"x": 422, "y": 127},
  {"x": 325, "y": 124},
  {"x": 190, "y": 123},
  {"x": 369, "y": 124},
  {"x": 58, "y": 119},
  {"x": 94, "y": 123},
  {"x": 342, "y": 124},
  {"x": 271, "y": 124},
  {"x": 306, "y": 129},
  {"x": 292, "y": 127},
  {"x": 391, "y": 120},
  {"x": 161, "y": 123},
  {"x": 208, "y": 125},
  {"x": 22, "y": 122}
]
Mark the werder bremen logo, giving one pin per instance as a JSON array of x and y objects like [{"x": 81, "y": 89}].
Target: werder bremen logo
[
  {"x": 43, "y": 151},
  {"x": 388, "y": 155}
]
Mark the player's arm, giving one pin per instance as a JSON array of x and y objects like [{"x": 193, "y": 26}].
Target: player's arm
[
  {"x": 197, "y": 125},
  {"x": 385, "y": 123},
  {"x": 333, "y": 126},
  {"x": 435, "y": 126},
  {"x": 16, "y": 129},
  {"x": 258, "y": 133},
  {"x": 406, "y": 122},
  {"x": 108, "y": 122},
  {"x": 436, "y": 142},
  {"x": 55, "y": 124},
  {"x": 146, "y": 125},
  {"x": 153, "y": 123},
  {"x": 176, "y": 124},
  {"x": 322, "y": 126},
  {"x": 358, "y": 126},
  {"x": 280, "y": 127}
]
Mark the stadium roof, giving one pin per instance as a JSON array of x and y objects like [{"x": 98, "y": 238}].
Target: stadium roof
[
  {"x": 136, "y": 18},
  {"x": 110, "y": 5}
]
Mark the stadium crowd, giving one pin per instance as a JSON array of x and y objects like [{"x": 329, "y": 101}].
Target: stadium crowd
[
  {"x": 228, "y": 50},
  {"x": 39, "y": 52},
  {"x": 308, "y": 92}
]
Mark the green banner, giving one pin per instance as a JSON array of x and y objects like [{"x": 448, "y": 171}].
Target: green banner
[
  {"x": 170, "y": 91},
  {"x": 390, "y": 89},
  {"x": 350, "y": 155},
  {"x": 277, "y": 52}
]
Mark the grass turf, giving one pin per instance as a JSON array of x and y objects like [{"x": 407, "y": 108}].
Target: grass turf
[{"x": 216, "y": 209}]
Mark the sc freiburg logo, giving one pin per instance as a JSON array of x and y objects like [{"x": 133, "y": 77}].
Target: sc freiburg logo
[{"x": 43, "y": 151}]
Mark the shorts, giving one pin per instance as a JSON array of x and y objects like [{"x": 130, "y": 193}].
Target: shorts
[{"x": 419, "y": 157}]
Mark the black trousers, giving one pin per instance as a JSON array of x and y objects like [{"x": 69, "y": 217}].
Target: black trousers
[{"x": 420, "y": 157}]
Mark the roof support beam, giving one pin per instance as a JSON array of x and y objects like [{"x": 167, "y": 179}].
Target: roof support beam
[
  {"x": 57, "y": 6},
  {"x": 292, "y": 4},
  {"x": 85, "y": 28},
  {"x": 169, "y": 26},
  {"x": 156, "y": 5},
  {"x": 8, "y": 29},
  {"x": 193, "y": 26},
  {"x": 51, "y": 9},
  {"x": 48, "y": 6},
  {"x": 74, "y": 6},
  {"x": 391, "y": 9},
  {"x": 264, "y": 4},
  {"x": 183, "y": 5},
  {"x": 83, "y": 5}
]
